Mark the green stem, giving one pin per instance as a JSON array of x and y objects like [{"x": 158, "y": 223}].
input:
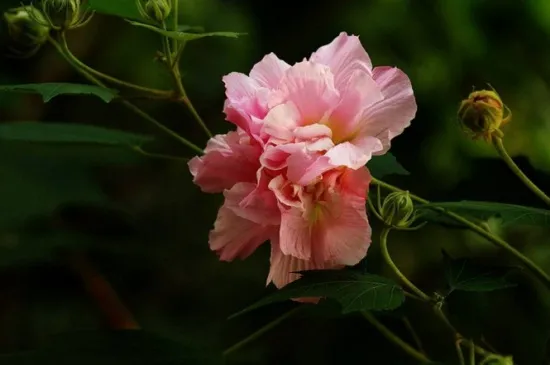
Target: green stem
[
  {"x": 94, "y": 72},
  {"x": 140, "y": 150},
  {"x": 175, "y": 12},
  {"x": 499, "y": 146},
  {"x": 459, "y": 353},
  {"x": 386, "y": 332},
  {"x": 395, "y": 269},
  {"x": 66, "y": 53},
  {"x": 261, "y": 331},
  {"x": 536, "y": 270},
  {"x": 472, "y": 353},
  {"x": 414, "y": 335}
]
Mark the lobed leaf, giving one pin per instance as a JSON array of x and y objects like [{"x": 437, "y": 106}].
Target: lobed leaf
[
  {"x": 384, "y": 165},
  {"x": 355, "y": 291}
]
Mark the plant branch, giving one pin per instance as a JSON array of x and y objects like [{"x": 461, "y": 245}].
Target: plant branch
[
  {"x": 534, "y": 268},
  {"x": 499, "y": 146},
  {"x": 66, "y": 53},
  {"x": 261, "y": 331},
  {"x": 386, "y": 332}
]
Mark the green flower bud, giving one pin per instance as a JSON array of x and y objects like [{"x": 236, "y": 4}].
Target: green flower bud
[
  {"x": 154, "y": 10},
  {"x": 65, "y": 14},
  {"x": 497, "y": 360},
  {"x": 397, "y": 210},
  {"x": 27, "y": 30},
  {"x": 482, "y": 114}
]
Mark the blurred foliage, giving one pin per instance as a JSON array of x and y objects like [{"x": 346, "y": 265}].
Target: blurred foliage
[{"x": 145, "y": 225}]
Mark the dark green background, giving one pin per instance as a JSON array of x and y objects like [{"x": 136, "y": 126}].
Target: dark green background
[{"x": 157, "y": 256}]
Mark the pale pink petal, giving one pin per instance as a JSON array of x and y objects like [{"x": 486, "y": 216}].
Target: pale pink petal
[
  {"x": 228, "y": 159},
  {"x": 310, "y": 87},
  {"x": 388, "y": 118},
  {"x": 343, "y": 55},
  {"x": 285, "y": 192},
  {"x": 237, "y": 237},
  {"x": 353, "y": 155},
  {"x": 345, "y": 230},
  {"x": 360, "y": 92},
  {"x": 283, "y": 267},
  {"x": 239, "y": 86},
  {"x": 312, "y": 131},
  {"x": 252, "y": 202},
  {"x": 269, "y": 71},
  {"x": 281, "y": 121}
]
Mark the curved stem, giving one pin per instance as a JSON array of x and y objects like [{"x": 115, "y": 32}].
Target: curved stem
[
  {"x": 499, "y": 146},
  {"x": 261, "y": 331},
  {"x": 129, "y": 85},
  {"x": 140, "y": 150},
  {"x": 395, "y": 269},
  {"x": 459, "y": 353},
  {"x": 414, "y": 335},
  {"x": 175, "y": 14},
  {"x": 534, "y": 268},
  {"x": 386, "y": 332},
  {"x": 65, "y": 52}
]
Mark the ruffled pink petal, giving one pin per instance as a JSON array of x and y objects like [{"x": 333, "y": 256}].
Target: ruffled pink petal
[
  {"x": 344, "y": 55},
  {"x": 355, "y": 182},
  {"x": 354, "y": 154},
  {"x": 312, "y": 131},
  {"x": 310, "y": 87},
  {"x": 360, "y": 92},
  {"x": 388, "y": 118},
  {"x": 269, "y": 71},
  {"x": 295, "y": 234},
  {"x": 254, "y": 203},
  {"x": 238, "y": 86},
  {"x": 283, "y": 267},
  {"x": 347, "y": 235},
  {"x": 304, "y": 167},
  {"x": 228, "y": 159},
  {"x": 234, "y": 235}
]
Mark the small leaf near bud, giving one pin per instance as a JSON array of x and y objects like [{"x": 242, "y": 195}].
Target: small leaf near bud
[
  {"x": 398, "y": 210},
  {"x": 27, "y": 29},
  {"x": 65, "y": 14},
  {"x": 154, "y": 10},
  {"x": 483, "y": 113}
]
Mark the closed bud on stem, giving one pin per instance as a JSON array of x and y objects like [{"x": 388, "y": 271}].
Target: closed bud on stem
[
  {"x": 482, "y": 114},
  {"x": 497, "y": 360},
  {"x": 27, "y": 29},
  {"x": 397, "y": 210},
  {"x": 65, "y": 14},
  {"x": 154, "y": 10}
]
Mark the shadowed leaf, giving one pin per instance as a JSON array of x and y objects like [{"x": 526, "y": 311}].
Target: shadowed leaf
[
  {"x": 51, "y": 90},
  {"x": 381, "y": 166}
]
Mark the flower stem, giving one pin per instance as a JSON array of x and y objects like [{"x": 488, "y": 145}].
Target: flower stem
[
  {"x": 414, "y": 335},
  {"x": 117, "y": 315},
  {"x": 163, "y": 93},
  {"x": 395, "y": 269},
  {"x": 386, "y": 332},
  {"x": 499, "y": 146},
  {"x": 534, "y": 268},
  {"x": 66, "y": 53},
  {"x": 261, "y": 331}
]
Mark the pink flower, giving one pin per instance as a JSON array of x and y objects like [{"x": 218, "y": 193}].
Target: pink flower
[{"x": 293, "y": 172}]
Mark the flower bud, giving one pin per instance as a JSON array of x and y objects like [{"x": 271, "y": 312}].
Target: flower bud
[
  {"x": 27, "y": 29},
  {"x": 154, "y": 10},
  {"x": 497, "y": 360},
  {"x": 397, "y": 210},
  {"x": 65, "y": 14},
  {"x": 482, "y": 114}
]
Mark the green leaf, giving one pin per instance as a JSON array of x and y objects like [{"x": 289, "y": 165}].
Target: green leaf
[
  {"x": 355, "y": 291},
  {"x": 465, "y": 275},
  {"x": 120, "y": 8},
  {"x": 114, "y": 347},
  {"x": 381, "y": 166},
  {"x": 509, "y": 214},
  {"x": 51, "y": 90},
  {"x": 183, "y": 36},
  {"x": 39, "y": 132}
]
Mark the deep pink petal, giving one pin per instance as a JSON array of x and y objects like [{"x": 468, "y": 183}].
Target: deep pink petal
[
  {"x": 305, "y": 167},
  {"x": 283, "y": 267},
  {"x": 252, "y": 202},
  {"x": 236, "y": 236},
  {"x": 388, "y": 118},
  {"x": 228, "y": 159},
  {"x": 310, "y": 87},
  {"x": 269, "y": 71},
  {"x": 346, "y": 233},
  {"x": 295, "y": 235},
  {"x": 344, "y": 55}
]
